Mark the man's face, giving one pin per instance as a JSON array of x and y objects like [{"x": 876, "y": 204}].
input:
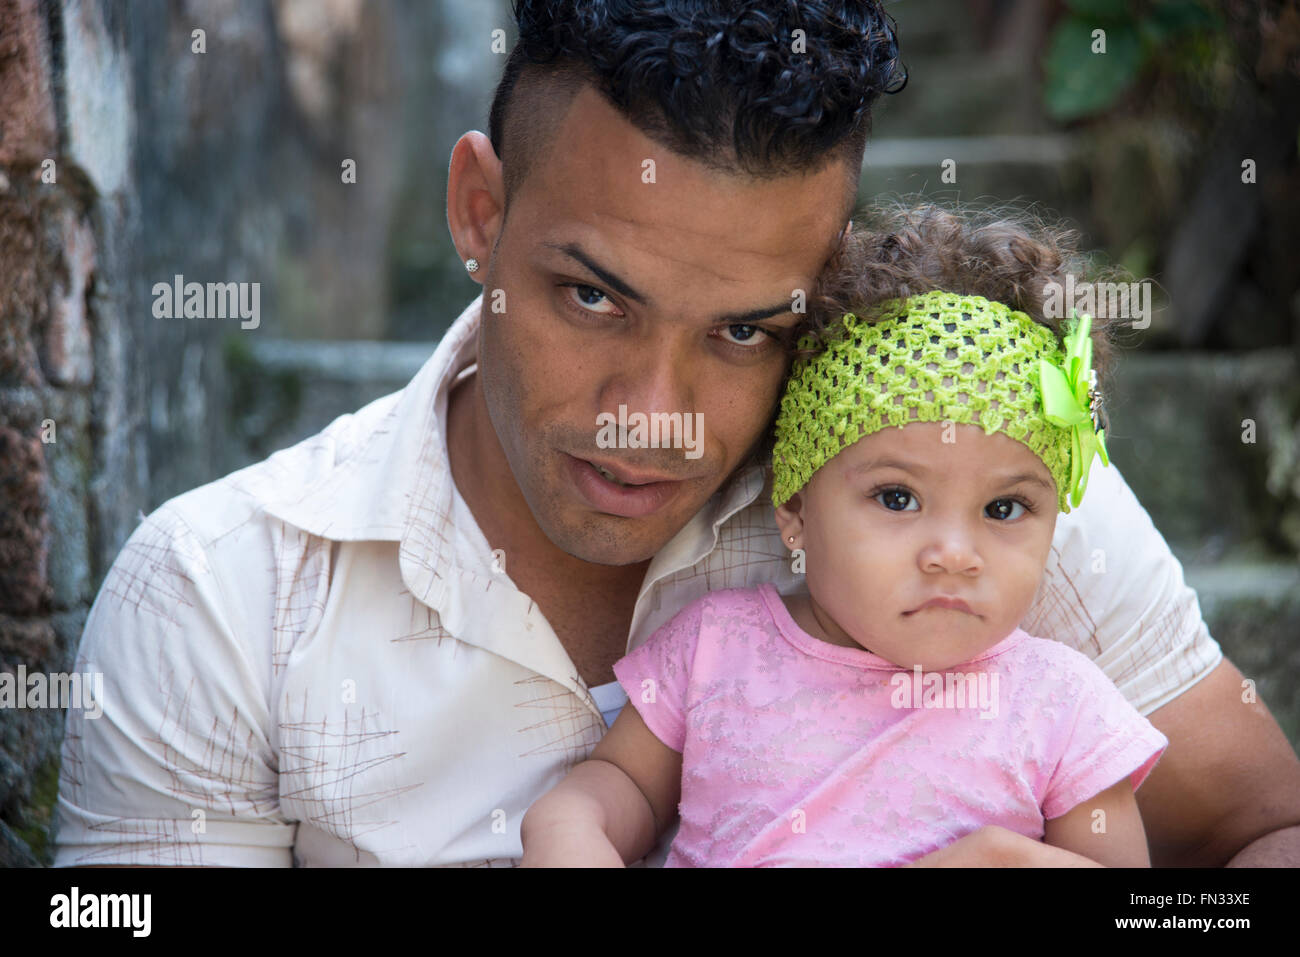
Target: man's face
[
  {"x": 633, "y": 277},
  {"x": 907, "y": 515}
]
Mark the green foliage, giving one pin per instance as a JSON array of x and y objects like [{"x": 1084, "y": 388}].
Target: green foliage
[
  {"x": 38, "y": 816},
  {"x": 1080, "y": 83}
]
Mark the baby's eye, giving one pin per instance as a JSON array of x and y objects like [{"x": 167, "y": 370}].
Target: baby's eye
[
  {"x": 896, "y": 499},
  {"x": 1003, "y": 509}
]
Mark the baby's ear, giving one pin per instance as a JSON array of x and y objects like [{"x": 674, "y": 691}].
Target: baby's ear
[{"x": 789, "y": 519}]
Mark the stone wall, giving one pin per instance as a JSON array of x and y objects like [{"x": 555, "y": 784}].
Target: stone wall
[
  {"x": 50, "y": 259},
  {"x": 149, "y": 139}
]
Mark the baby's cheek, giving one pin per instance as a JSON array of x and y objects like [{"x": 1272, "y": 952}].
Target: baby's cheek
[
  {"x": 877, "y": 582},
  {"x": 1019, "y": 587}
]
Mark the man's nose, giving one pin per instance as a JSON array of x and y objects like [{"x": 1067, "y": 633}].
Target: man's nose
[{"x": 654, "y": 380}]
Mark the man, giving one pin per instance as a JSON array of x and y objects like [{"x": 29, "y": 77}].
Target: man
[{"x": 378, "y": 646}]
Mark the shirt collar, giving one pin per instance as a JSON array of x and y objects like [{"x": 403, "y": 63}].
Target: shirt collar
[{"x": 388, "y": 462}]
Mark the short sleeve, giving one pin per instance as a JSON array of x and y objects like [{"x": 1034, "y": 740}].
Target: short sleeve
[
  {"x": 1107, "y": 741},
  {"x": 173, "y": 765},
  {"x": 656, "y": 676},
  {"x": 1113, "y": 591}
]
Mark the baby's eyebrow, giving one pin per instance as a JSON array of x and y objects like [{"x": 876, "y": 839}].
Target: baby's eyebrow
[
  {"x": 1030, "y": 477},
  {"x": 915, "y": 469},
  {"x": 874, "y": 464}
]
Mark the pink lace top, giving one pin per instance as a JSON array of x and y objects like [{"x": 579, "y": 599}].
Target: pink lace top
[{"x": 797, "y": 752}]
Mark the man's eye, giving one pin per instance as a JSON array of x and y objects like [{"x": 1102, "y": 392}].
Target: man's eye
[
  {"x": 896, "y": 500},
  {"x": 746, "y": 337},
  {"x": 588, "y": 298},
  {"x": 1004, "y": 509}
]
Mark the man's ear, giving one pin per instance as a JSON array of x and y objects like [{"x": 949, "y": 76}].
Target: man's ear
[
  {"x": 475, "y": 200},
  {"x": 789, "y": 519}
]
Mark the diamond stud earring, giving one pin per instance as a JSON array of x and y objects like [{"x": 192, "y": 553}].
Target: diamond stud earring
[{"x": 471, "y": 265}]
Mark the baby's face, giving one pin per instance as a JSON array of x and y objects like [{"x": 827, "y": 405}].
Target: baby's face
[{"x": 902, "y": 517}]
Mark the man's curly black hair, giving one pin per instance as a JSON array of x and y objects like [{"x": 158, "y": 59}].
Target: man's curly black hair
[{"x": 728, "y": 83}]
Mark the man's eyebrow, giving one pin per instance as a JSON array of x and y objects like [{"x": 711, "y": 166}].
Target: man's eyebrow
[
  {"x": 754, "y": 315},
  {"x": 576, "y": 252}
]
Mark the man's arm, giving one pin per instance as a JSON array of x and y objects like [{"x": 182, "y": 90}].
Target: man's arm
[
  {"x": 1227, "y": 792},
  {"x": 175, "y": 766}
]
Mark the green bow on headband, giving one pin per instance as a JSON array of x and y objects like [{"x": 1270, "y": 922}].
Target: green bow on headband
[{"x": 1071, "y": 401}]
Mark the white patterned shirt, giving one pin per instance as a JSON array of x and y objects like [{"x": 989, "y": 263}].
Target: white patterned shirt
[{"x": 314, "y": 661}]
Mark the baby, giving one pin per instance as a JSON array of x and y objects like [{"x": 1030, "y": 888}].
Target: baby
[{"x": 927, "y": 439}]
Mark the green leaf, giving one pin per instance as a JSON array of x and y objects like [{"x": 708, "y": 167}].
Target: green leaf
[{"x": 1081, "y": 83}]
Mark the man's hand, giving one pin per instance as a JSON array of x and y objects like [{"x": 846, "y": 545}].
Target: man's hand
[{"x": 1228, "y": 787}]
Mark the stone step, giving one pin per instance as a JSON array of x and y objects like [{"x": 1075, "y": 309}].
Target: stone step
[
  {"x": 962, "y": 95},
  {"x": 981, "y": 168},
  {"x": 1208, "y": 443},
  {"x": 1253, "y": 611},
  {"x": 919, "y": 152},
  {"x": 931, "y": 28},
  {"x": 1270, "y": 584}
]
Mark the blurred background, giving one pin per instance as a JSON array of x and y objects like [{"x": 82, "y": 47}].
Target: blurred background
[{"x": 133, "y": 149}]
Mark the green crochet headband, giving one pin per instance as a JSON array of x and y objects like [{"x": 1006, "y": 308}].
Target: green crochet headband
[{"x": 981, "y": 362}]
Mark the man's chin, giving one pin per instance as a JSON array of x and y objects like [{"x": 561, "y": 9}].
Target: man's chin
[
  {"x": 609, "y": 546},
  {"x": 611, "y": 539}
]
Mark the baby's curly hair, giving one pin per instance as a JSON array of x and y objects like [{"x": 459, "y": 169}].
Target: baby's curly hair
[
  {"x": 908, "y": 246},
  {"x": 902, "y": 249}
]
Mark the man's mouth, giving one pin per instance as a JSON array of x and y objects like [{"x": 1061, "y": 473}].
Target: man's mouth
[
  {"x": 625, "y": 476},
  {"x": 618, "y": 491},
  {"x": 606, "y": 473}
]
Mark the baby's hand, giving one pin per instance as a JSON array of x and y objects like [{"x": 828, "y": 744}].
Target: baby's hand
[
  {"x": 568, "y": 844},
  {"x": 993, "y": 846}
]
